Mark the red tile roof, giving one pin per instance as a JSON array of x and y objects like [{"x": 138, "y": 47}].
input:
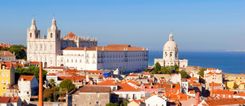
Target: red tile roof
[
  {"x": 124, "y": 86},
  {"x": 5, "y": 45},
  {"x": 95, "y": 89},
  {"x": 34, "y": 62},
  {"x": 7, "y": 64},
  {"x": 70, "y": 36},
  {"x": 113, "y": 47},
  {"x": 8, "y": 99},
  {"x": 73, "y": 78},
  {"x": 26, "y": 77},
  {"x": 241, "y": 93},
  {"x": 6, "y": 53},
  {"x": 179, "y": 96},
  {"x": 4, "y": 99},
  {"x": 94, "y": 71},
  {"x": 225, "y": 101},
  {"x": 226, "y": 92},
  {"x": 109, "y": 82},
  {"x": 134, "y": 82},
  {"x": 14, "y": 99},
  {"x": 215, "y": 84}
]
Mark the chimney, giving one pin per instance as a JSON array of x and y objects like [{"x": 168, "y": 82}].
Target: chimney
[{"x": 40, "y": 94}]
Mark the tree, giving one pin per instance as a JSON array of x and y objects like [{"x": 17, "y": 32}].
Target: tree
[
  {"x": 124, "y": 103},
  {"x": 51, "y": 83},
  {"x": 157, "y": 67},
  {"x": 31, "y": 70},
  {"x": 19, "y": 51},
  {"x": 67, "y": 85},
  {"x": 201, "y": 72},
  {"x": 235, "y": 86},
  {"x": 112, "y": 104},
  {"x": 184, "y": 74},
  {"x": 51, "y": 94}
]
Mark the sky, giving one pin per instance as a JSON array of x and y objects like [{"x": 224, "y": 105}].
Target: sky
[{"x": 197, "y": 25}]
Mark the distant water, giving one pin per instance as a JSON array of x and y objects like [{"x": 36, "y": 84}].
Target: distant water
[{"x": 229, "y": 62}]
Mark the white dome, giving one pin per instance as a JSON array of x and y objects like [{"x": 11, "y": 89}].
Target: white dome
[{"x": 170, "y": 45}]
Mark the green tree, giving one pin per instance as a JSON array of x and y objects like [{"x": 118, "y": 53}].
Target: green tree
[
  {"x": 67, "y": 85},
  {"x": 112, "y": 104},
  {"x": 184, "y": 74},
  {"x": 31, "y": 70},
  {"x": 235, "y": 86},
  {"x": 201, "y": 72},
  {"x": 124, "y": 103},
  {"x": 19, "y": 51},
  {"x": 51, "y": 94},
  {"x": 157, "y": 67},
  {"x": 51, "y": 83}
]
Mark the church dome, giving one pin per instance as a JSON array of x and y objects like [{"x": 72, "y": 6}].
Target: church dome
[{"x": 170, "y": 45}]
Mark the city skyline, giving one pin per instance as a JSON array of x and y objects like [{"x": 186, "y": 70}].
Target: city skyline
[{"x": 193, "y": 23}]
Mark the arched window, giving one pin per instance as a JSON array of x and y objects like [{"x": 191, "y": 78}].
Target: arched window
[
  {"x": 30, "y": 35},
  {"x": 51, "y": 35}
]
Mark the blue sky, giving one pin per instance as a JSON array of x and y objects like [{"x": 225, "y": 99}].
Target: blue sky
[{"x": 197, "y": 25}]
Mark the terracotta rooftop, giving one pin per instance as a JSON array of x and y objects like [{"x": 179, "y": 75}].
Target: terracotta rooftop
[
  {"x": 215, "y": 84},
  {"x": 7, "y": 64},
  {"x": 26, "y": 77},
  {"x": 225, "y": 101},
  {"x": 73, "y": 78},
  {"x": 61, "y": 67},
  {"x": 219, "y": 91},
  {"x": 34, "y": 62},
  {"x": 8, "y": 99},
  {"x": 108, "y": 82},
  {"x": 5, "y": 45},
  {"x": 112, "y": 47},
  {"x": 94, "y": 71},
  {"x": 6, "y": 53},
  {"x": 179, "y": 96},
  {"x": 123, "y": 86},
  {"x": 4, "y": 99},
  {"x": 95, "y": 89},
  {"x": 134, "y": 82},
  {"x": 70, "y": 36}
]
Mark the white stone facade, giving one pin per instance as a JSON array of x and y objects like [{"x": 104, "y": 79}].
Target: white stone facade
[
  {"x": 156, "y": 101},
  {"x": 213, "y": 76},
  {"x": 170, "y": 55},
  {"x": 43, "y": 49},
  {"x": 82, "y": 53},
  {"x": 111, "y": 57},
  {"x": 28, "y": 86}
]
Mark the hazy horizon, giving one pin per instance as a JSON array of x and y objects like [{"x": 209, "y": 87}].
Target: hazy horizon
[{"x": 197, "y": 25}]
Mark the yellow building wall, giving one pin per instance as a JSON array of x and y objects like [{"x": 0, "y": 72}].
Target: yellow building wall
[
  {"x": 230, "y": 84},
  {"x": 6, "y": 79},
  {"x": 242, "y": 86}
]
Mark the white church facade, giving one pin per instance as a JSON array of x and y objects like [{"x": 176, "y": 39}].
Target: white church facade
[
  {"x": 82, "y": 53},
  {"x": 170, "y": 55}
]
